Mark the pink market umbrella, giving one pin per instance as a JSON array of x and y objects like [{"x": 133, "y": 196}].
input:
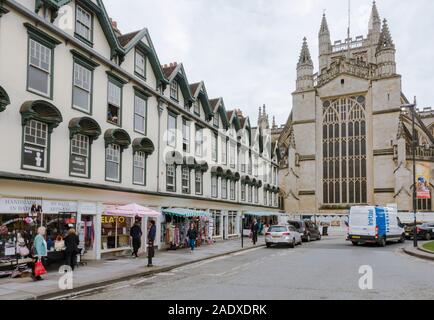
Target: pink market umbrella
[{"x": 137, "y": 210}]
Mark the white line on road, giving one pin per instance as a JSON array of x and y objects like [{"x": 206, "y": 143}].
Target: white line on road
[{"x": 143, "y": 280}]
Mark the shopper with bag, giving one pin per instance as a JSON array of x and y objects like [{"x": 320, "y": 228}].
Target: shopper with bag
[
  {"x": 71, "y": 243},
  {"x": 39, "y": 255}
]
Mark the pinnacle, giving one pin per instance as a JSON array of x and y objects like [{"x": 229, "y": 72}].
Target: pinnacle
[
  {"x": 324, "y": 29},
  {"x": 385, "y": 41},
  {"x": 305, "y": 58},
  {"x": 374, "y": 20}
]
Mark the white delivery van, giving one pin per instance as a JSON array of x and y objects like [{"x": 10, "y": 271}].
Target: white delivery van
[{"x": 374, "y": 225}]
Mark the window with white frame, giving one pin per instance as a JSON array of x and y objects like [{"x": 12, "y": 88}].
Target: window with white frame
[
  {"x": 232, "y": 154},
  {"x": 243, "y": 192},
  {"x": 250, "y": 193},
  {"x": 186, "y": 135},
  {"x": 139, "y": 168},
  {"x": 276, "y": 198},
  {"x": 214, "y": 186},
  {"x": 140, "y": 112},
  {"x": 39, "y": 78},
  {"x": 171, "y": 130},
  {"x": 270, "y": 198},
  {"x": 256, "y": 165},
  {"x": 199, "y": 142},
  {"x": 216, "y": 119},
  {"x": 113, "y": 163},
  {"x": 199, "y": 182},
  {"x": 224, "y": 188},
  {"x": 232, "y": 223},
  {"x": 217, "y": 217},
  {"x": 79, "y": 161},
  {"x": 232, "y": 189},
  {"x": 224, "y": 151},
  {"x": 114, "y": 103},
  {"x": 256, "y": 195},
  {"x": 35, "y": 148},
  {"x": 171, "y": 178},
  {"x": 265, "y": 198},
  {"x": 140, "y": 64},
  {"x": 250, "y": 165},
  {"x": 83, "y": 24},
  {"x": 214, "y": 147},
  {"x": 196, "y": 107},
  {"x": 243, "y": 161},
  {"x": 174, "y": 94},
  {"x": 82, "y": 89},
  {"x": 185, "y": 180}
]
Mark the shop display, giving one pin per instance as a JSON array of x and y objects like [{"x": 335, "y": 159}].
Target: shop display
[{"x": 115, "y": 232}]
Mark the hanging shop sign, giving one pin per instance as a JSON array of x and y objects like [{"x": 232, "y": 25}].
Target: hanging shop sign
[
  {"x": 34, "y": 157},
  {"x": 78, "y": 165},
  {"x": 422, "y": 181}
]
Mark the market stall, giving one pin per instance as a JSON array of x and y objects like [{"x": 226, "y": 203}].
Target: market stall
[{"x": 177, "y": 222}]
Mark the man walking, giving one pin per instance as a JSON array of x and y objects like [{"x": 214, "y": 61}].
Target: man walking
[
  {"x": 255, "y": 229},
  {"x": 192, "y": 236},
  {"x": 136, "y": 235},
  {"x": 151, "y": 238}
]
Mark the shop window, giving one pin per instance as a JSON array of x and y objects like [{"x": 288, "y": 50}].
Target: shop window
[
  {"x": 113, "y": 163},
  {"x": 217, "y": 217},
  {"x": 35, "y": 147},
  {"x": 224, "y": 188},
  {"x": 82, "y": 88},
  {"x": 185, "y": 180},
  {"x": 140, "y": 112},
  {"x": 57, "y": 226},
  {"x": 199, "y": 182},
  {"x": 39, "y": 73},
  {"x": 139, "y": 168},
  {"x": 186, "y": 135},
  {"x": 171, "y": 130},
  {"x": 214, "y": 186},
  {"x": 115, "y": 232},
  {"x": 114, "y": 103},
  {"x": 83, "y": 24},
  {"x": 171, "y": 178},
  {"x": 80, "y": 156},
  {"x": 232, "y": 189},
  {"x": 243, "y": 192},
  {"x": 232, "y": 223},
  {"x": 140, "y": 64},
  {"x": 174, "y": 90}
]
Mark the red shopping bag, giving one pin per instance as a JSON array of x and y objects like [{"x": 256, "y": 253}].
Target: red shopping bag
[{"x": 39, "y": 268}]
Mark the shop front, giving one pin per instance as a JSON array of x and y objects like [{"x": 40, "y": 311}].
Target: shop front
[
  {"x": 263, "y": 218},
  {"x": 177, "y": 221}
]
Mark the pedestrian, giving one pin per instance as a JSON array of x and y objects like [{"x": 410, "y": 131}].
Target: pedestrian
[
  {"x": 192, "y": 236},
  {"x": 71, "y": 248},
  {"x": 151, "y": 238},
  {"x": 39, "y": 251},
  {"x": 255, "y": 229},
  {"x": 136, "y": 235}
]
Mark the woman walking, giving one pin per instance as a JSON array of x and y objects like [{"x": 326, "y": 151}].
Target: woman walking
[
  {"x": 71, "y": 243},
  {"x": 192, "y": 236},
  {"x": 40, "y": 251}
]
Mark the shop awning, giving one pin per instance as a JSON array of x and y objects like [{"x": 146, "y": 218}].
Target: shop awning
[
  {"x": 262, "y": 214},
  {"x": 131, "y": 210},
  {"x": 187, "y": 213}
]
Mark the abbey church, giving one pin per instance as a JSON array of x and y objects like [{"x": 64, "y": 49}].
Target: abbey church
[{"x": 348, "y": 139}]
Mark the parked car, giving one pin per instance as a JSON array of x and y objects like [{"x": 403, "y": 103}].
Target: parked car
[
  {"x": 424, "y": 231},
  {"x": 308, "y": 230},
  {"x": 374, "y": 225},
  {"x": 280, "y": 234}
]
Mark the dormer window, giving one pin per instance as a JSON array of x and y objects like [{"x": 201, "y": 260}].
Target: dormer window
[
  {"x": 83, "y": 25},
  {"x": 196, "y": 108},
  {"x": 140, "y": 64},
  {"x": 216, "y": 120},
  {"x": 174, "y": 90}
]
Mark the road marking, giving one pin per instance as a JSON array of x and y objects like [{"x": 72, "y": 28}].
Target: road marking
[
  {"x": 246, "y": 251},
  {"x": 143, "y": 280}
]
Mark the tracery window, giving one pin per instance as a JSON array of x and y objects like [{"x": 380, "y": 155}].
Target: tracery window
[{"x": 344, "y": 151}]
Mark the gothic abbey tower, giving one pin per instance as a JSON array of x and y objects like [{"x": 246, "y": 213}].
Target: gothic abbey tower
[{"x": 341, "y": 143}]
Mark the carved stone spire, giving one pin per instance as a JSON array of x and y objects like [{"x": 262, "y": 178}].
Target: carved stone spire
[
  {"x": 305, "y": 68},
  {"x": 385, "y": 41},
  {"x": 374, "y": 21},
  {"x": 324, "y": 29},
  {"x": 305, "y": 58}
]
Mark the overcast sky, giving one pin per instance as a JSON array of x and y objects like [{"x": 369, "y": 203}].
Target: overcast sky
[{"x": 246, "y": 51}]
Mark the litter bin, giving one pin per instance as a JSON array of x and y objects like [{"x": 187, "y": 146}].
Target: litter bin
[{"x": 325, "y": 230}]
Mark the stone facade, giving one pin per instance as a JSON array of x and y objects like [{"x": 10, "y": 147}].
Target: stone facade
[{"x": 347, "y": 140}]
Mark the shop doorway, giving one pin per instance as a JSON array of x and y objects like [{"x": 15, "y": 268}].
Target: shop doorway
[
  {"x": 225, "y": 227},
  {"x": 86, "y": 234}
]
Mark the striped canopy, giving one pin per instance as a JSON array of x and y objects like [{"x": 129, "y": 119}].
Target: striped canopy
[{"x": 188, "y": 213}]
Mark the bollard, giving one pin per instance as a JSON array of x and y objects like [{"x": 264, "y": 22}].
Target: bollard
[{"x": 150, "y": 253}]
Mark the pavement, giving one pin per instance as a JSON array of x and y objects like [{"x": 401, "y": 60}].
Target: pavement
[
  {"x": 419, "y": 252},
  {"x": 102, "y": 273},
  {"x": 320, "y": 270}
]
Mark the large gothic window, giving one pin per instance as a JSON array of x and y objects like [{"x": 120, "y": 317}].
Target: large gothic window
[{"x": 344, "y": 151}]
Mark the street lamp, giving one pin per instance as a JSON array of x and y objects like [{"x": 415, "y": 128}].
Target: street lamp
[{"x": 414, "y": 143}]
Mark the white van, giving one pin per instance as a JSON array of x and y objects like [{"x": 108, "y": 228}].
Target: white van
[{"x": 374, "y": 225}]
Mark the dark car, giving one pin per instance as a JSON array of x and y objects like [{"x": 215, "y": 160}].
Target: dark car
[
  {"x": 308, "y": 230},
  {"x": 424, "y": 231}
]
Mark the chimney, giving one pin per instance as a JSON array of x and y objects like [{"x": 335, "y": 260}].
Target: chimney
[
  {"x": 239, "y": 113},
  {"x": 115, "y": 27}
]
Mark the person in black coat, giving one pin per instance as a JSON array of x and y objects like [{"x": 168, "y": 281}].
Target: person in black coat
[
  {"x": 136, "y": 235},
  {"x": 192, "y": 236},
  {"x": 152, "y": 233},
  {"x": 254, "y": 229},
  {"x": 71, "y": 243}
]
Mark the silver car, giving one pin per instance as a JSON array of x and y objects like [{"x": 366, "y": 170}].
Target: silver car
[{"x": 281, "y": 234}]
